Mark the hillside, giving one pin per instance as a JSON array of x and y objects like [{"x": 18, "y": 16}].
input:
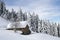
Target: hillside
[
  {"x": 10, "y": 35},
  {"x": 3, "y": 22}
]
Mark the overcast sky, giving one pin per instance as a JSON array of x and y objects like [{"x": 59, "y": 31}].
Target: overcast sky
[{"x": 47, "y": 9}]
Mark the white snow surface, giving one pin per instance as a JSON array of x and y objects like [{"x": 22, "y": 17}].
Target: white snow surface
[
  {"x": 21, "y": 24},
  {"x": 11, "y": 35},
  {"x": 3, "y": 22}
]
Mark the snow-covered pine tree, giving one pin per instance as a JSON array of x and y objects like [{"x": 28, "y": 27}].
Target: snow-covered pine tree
[
  {"x": 51, "y": 29},
  {"x": 32, "y": 24},
  {"x": 36, "y": 22},
  {"x": 58, "y": 30},
  {"x": 54, "y": 29},
  {"x": 43, "y": 26},
  {"x": 9, "y": 16},
  {"x": 13, "y": 16},
  {"x": 5, "y": 15},
  {"x": 21, "y": 15},
  {"x": 47, "y": 26},
  {"x": 25, "y": 16},
  {"x": 18, "y": 15},
  {"x": 40, "y": 25},
  {"x": 2, "y": 8}
]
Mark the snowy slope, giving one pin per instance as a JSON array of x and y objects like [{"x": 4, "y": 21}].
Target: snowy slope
[
  {"x": 3, "y": 22},
  {"x": 10, "y": 35}
]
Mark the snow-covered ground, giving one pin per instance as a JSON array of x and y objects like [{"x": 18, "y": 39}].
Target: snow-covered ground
[
  {"x": 11, "y": 35},
  {"x": 3, "y": 22}
]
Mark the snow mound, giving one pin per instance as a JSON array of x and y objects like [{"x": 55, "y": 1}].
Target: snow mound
[
  {"x": 10, "y": 35},
  {"x": 3, "y": 23}
]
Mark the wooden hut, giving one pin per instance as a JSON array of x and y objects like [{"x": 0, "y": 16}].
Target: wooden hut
[{"x": 21, "y": 26}]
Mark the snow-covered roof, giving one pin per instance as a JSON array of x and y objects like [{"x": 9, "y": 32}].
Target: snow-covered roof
[{"x": 21, "y": 24}]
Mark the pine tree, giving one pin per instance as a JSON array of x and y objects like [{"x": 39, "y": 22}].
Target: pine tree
[
  {"x": 54, "y": 31},
  {"x": 32, "y": 24},
  {"x": 51, "y": 29},
  {"x": 58, "y": 30},
  {"x": 47, "y": 26},
  {"x": 9, "y": 16},
  {"x": 6, "y": 13},
  {"x": 12, "y": 12},
  {"x": 25, "y": 16},
  {"x": 36, "y": 22},
  {"x": 2, "y": 8},
  {"x": 40, "y": 26},
  {"x": 21, "y": 15}
]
